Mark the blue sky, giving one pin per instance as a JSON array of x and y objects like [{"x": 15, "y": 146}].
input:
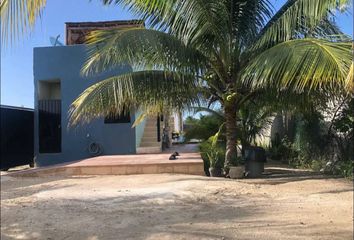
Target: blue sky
[{"x": 16, "y": 62}]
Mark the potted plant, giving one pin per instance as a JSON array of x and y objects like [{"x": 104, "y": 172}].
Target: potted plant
[
  {"x": 215, "y": 155},
  {"x": 237, "y": 169},
  {"x": 215, "y": 166}
]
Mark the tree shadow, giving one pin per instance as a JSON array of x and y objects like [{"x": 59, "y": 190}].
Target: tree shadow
[
  {"x": 14, "y": 185},
  {"x": 134, "y": 216},
  {"x": 336, "y": 191},
  {"x": 272, "y": 175},
  {"x": 280, "y": 175},
  {"x": 149, "y": 215}
]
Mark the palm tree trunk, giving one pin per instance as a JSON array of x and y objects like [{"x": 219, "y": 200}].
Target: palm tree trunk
[
  {"x": 230, "y": 124},
  {"x": 244, "y": 144}
]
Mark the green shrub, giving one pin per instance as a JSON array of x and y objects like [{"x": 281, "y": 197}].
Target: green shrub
[
  {"x": 207, "y": 151},
  {"x": 346, "y": 169},
  {"x": 311, "y": 141},
  {"x": 282, "y": 150},
  {"x": 202, "y": 128}
]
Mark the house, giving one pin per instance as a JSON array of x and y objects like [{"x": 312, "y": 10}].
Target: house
[{"x": 58, "y": 82}]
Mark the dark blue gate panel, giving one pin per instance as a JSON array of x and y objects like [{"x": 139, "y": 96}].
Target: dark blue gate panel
[{"x": 16, "y": 136}]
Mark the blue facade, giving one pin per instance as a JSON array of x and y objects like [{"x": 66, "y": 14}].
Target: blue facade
[{"x": 61, "y": 66}]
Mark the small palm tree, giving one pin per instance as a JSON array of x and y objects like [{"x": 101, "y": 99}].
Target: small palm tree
[{"x": 225, "y": 49}]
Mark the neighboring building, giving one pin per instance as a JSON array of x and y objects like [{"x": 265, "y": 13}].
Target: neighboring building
[
  {"x": 16, "y": 136},
  {"x": 58, "y": 82}
]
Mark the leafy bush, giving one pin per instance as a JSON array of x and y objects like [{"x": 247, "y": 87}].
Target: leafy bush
[
  {"x": 316, "y": 164},
  {"x": 202, "y": 128},
  {"x": 346, "y": 169},
  {"x": 203, "y": 148},
  {"x": 212, "y": 155},
  {"x": 311, "y": 140},
  {"x": 327, "y": 148},
  {"x": 343, "y": 132},
  {"x": 310, "y": 146},
  {"x": 282, "y": 150}
]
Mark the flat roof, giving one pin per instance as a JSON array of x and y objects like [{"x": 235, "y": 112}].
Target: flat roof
[
  {"x": 76, "y": 32},
  {"x": 106, "y": 23},
  {"x": 16, "y": 108}
]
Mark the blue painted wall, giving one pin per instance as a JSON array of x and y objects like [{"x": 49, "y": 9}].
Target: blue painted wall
[{"x": 64, "y": 64}]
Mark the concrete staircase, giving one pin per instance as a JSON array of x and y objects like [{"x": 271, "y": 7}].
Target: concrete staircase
[{"x": 149, "y": 143}]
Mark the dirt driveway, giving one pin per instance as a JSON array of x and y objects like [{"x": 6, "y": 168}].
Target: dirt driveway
[{"x": 167, "y": 206}]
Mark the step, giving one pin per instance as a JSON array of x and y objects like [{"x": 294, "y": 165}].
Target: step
[
  {"x": 149, "y": 140},
  {"x": 150, "y": 132},
  {"x": 150, "y": 144},
  {"x": 150, "y": 127},
  {"x": 152, "y": 138},
  {"x": 142, "y": 150},
  {"x": 150, "y": 135}
]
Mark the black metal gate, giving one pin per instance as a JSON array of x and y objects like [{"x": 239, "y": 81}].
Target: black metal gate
[
  {"x": 49, "y": 126},
  {"x": 16, "y": 136}
]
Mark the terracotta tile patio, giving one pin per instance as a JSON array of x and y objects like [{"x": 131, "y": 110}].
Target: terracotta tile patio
[{"x": 189, "y": 162}]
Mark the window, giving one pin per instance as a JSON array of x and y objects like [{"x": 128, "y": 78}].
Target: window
[{"x": 120, "y": 118}]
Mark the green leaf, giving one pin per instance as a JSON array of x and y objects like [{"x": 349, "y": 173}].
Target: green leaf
[
  {"x": 298, "y": 17},
  {"x": 191, "y": 21},
  {"x": 149, "y": 90},
  {"x": 18, "y": 18},
  {"x": 301, "y": 63},
  {"x": 141, "y": 48}
]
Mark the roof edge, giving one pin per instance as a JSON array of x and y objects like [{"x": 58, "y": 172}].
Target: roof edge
[
  {"x": 16, "y": 108},
  {"x": 131, "y": 21}
]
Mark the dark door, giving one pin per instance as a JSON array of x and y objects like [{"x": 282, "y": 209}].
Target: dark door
[{"x": 49, "y": 126}]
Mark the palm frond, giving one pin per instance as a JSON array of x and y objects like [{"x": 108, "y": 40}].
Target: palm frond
[
  {"x": 289, "y": 100},
  {"x": 18, "y": 17},
  {"x": 141, "y": 48},
  {"x": 149, "y": 111},
  {"x": 297, "y": 17},
  {"x": 350, "y": 79},
  {"x": 217, "y": 113},
  {"x": 158, "y": 14},
  {"x": 148, "y": 90},
  {"x": 327, "y": 28},
  {"x": 197, "y": 21},
  {"x": 190, "y": 21},
  {"x": 301, "y": 63},
  {"x": 248, "y": 18},
  {"x": 254, "y": 120}
]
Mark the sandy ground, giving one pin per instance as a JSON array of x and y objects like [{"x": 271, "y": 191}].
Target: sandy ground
[{"x": 284, "y": 206}]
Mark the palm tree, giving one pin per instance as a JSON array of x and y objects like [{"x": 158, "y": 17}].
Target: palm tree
[
  {"x": 223, "y": 48},
  {"x": 255, "y": 116},
  {"x": 253, "y": 119},
  {"x": 220, "y": 48},
  {"x": 17, "y": 17}
]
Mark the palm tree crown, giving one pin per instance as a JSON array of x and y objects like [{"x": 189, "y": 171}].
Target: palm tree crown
[{"x": 224, "y": 50}]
